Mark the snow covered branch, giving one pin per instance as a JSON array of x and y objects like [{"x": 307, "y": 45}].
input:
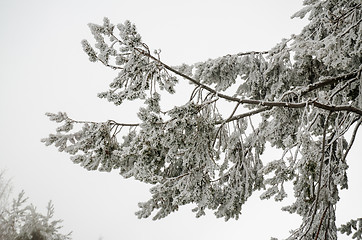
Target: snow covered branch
[{"x": 192, "y": 153}]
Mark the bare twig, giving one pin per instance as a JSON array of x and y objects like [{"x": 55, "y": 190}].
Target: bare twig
[
  {"x": 330, "y": 80},
  {"x": 350, "y": 28},
  {"x": 112, "y": 122},
  {"x": 225, "y": 121},
  {"x": 352, "y": 139},
  {"x": 321, "y": 221},
  {"x": 346, "y": 14},
  {"x": 342, "y": 87}
]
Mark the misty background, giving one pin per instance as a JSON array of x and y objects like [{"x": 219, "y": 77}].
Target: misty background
[{"x": 44, "y": 69}]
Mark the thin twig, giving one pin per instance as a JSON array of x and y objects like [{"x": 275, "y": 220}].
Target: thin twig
[
  {"x": 223, "y": 122},
  {"x": 352, "y": 139},
  {"x": 321, "y": 221},
  {"x": 350, "y": 28},
  {"x": 329, "y": 81},
  {"x": 342, "y": 87},
  {"x": 243, "y": 115}
]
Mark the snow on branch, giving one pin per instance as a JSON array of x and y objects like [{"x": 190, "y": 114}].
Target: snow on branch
[{"x": 302, "y": 97}]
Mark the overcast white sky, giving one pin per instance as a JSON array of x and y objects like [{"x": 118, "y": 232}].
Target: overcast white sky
[{"x": 43, "y": 69}]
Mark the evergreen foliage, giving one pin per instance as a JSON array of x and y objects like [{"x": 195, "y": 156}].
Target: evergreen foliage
[
  {"x": 302, "y": 96},
  {"x": 21, "y": 222},
  {"x": 5, "y": 190}
]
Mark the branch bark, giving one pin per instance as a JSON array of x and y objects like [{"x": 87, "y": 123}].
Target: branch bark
[
  {"x": 274, "y": 103},
  {"x": 330, "y": 80}
]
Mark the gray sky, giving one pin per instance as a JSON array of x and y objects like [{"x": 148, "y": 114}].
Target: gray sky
[{"x": 43, "y": 69}]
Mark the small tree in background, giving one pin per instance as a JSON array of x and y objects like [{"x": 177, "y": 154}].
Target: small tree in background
[
  {"x": 5, "y": 190},
  {"x": 19, "y": 222},
  {"x": 194, "y": 153}
]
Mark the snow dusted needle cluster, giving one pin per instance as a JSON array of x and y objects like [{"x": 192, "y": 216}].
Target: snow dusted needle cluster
[{"x": 194, "y": 154}]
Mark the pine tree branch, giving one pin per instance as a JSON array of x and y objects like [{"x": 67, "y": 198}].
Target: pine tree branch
[
  {"x": 243, "y": 115},
  {"x": 329, "y": 81},
  {"x": 350, "y": 28},
  {"x": 112, "y": 122},
  {"x": 346, "y": 14},
  {"x": 251, "y": 52},
  {"x": 274, "y": 103}
]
